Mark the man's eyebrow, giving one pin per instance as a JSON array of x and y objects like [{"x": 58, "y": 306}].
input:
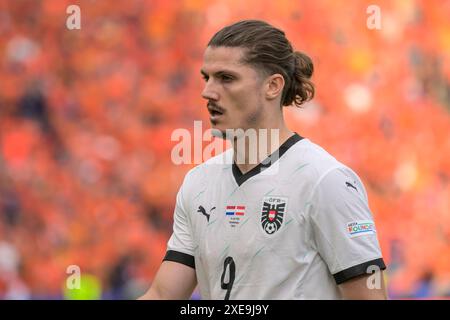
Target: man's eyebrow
[{"x": 218, "y": 73}]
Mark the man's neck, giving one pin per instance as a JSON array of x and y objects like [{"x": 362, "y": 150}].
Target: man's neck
[{"x": 251, "y": 150}]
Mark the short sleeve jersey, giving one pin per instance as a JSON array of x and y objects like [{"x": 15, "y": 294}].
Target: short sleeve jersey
[{"x": 293, "y": 227}]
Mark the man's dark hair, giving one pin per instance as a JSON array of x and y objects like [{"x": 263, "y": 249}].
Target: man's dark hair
[{"x": 269, "y": 51}]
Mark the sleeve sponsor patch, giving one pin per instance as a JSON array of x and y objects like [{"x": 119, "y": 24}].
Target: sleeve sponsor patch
[{"x": 360, "y": 228}]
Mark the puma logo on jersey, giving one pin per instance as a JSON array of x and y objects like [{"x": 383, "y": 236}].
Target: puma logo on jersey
[
  {"x": 348, "y": 184},
  {"x": 203, "y": 212}
]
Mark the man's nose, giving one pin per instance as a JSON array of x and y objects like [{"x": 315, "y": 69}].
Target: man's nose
[{"x": 209, "y": 93}]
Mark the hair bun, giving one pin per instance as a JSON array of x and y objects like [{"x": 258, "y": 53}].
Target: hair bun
[{"x": 304, "y": 63}]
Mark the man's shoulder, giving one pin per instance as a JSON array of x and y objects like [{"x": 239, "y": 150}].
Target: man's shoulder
[
  {"x": 315, "y": 158},
  {"x": 325, "y": 169}
]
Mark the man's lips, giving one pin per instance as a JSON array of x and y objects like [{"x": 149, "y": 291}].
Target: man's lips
[
  {"x": 215, "y": 117},
  {"x": 215, "y": 111}
]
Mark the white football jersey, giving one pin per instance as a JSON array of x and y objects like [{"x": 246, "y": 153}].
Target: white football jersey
[{"x": 293, "y": 228}]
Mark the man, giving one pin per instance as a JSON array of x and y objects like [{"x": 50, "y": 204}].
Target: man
[{"x": 295, "y": 224}]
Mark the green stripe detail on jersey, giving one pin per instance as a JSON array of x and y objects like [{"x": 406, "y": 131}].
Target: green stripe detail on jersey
[
  {"x": 223, "y": 253},
  {"x": 307, "y": 204},
  {"x": 198, "y": 195},
  {"x": 301, "y": 167},
  {"x": 232, "y": 192},
  {"x": 251, "y": 261},
  {"x": 287, "y": 222},
  {"x": 244, "y": 222}
]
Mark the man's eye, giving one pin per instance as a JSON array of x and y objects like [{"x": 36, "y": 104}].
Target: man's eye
[
  {"x": 226, "y": 78},
  {"x": 205, "y": 78}
]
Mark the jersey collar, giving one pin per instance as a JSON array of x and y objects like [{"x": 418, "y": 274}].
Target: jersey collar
[{"x": 241, "y": 178}]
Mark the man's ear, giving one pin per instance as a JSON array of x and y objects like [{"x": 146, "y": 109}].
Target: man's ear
[{"x": 274, "y": 86}]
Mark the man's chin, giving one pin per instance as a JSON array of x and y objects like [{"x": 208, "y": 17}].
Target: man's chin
[
  {"x": 218, "y": 133},
  {"x": 222, "y": 132},
  {"x": 226, "y": 133}
]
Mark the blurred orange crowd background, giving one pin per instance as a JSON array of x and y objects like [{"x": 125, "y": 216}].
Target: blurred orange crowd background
[{"x": 86, "y": 116}]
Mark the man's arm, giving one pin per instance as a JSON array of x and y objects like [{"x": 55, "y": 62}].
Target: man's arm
[
  {"x": 359, "y": 288},
  {"x": 173, "y": 281}
]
